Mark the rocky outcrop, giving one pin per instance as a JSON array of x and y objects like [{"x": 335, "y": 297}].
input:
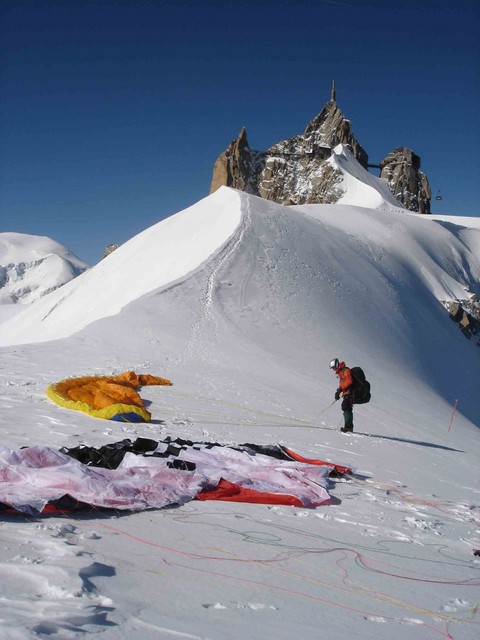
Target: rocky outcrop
[
  {"x": 110, "y": 248},
  {"x": 401, "y": 170},
  {"x": 312, "y": 181},
  {"x": 292, "y": 171},
  {"x": 238, "y": 166},
  {"x": 467, "y": 314},
  {"x": 297, "y": 171}
]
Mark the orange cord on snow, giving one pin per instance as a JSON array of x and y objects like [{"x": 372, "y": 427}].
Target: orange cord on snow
[{"x": 453, "y": 413}]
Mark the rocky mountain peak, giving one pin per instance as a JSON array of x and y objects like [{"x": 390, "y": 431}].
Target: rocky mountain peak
[
  {"x": 291, "y": 171},
  {"x": 330, "y": 128},
  {"x": 296, "y": 171}
]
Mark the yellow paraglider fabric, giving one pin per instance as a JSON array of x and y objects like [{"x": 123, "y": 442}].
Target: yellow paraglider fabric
[{"x": 109, "y": 397}]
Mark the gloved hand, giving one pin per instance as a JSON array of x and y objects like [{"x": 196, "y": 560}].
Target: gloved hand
[{"x": 337, "y": 394}]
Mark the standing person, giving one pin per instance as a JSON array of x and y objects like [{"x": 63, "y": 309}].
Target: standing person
[{"x": 345, "y": 389}]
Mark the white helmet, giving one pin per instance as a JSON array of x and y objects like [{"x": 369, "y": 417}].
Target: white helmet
[{"x": 334, "y": 363}]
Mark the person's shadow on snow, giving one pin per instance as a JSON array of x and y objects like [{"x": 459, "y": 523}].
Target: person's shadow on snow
[{"x": 420, "y": 443}]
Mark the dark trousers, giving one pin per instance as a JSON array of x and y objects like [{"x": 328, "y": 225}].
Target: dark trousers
[{"x": 347, "y": 408}]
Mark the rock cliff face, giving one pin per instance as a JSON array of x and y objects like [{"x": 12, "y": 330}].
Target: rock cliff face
[
  {"x": 238, "y": 166},
  {"x": 295, "y": 171},
  {"x": 467, "y": 314},
  {"x": 292, "y": 171},
  {"x": 401, "y": 169}
]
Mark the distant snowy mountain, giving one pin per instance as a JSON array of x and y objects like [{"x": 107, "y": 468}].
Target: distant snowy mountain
[{"x": 32, "y": 266}]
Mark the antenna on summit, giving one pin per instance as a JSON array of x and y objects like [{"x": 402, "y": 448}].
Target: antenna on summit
[{"x": 333, "y": 95}]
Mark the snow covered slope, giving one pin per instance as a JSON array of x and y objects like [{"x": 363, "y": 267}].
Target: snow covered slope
[
  {"x": 32, "y": 266},
  {"x": 359, "y": 186},
  {"x": 166, "y": 252},
  {"x": 318, "y": 278},
  {"x": 242, "y": 303}
]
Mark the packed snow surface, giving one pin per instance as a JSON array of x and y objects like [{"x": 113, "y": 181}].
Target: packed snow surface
[{"x": 242, "y": 303}]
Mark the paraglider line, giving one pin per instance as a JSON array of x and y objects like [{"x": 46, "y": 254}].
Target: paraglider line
[{"x": 453, "y": 413}]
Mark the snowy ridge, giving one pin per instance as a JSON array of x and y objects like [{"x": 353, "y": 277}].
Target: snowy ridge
[
  {"x": 359, "y": 186},
  {"x": 157, "y": 257}
]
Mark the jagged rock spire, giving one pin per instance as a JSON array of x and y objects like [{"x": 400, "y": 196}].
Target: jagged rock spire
[
  {"x": 236, "y": 166},
  {"x": 329, "y": 128},
  {"x": 401, "y": 169}
]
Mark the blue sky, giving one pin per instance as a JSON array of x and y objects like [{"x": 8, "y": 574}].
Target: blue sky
[{"x": 113, "y": 113}]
